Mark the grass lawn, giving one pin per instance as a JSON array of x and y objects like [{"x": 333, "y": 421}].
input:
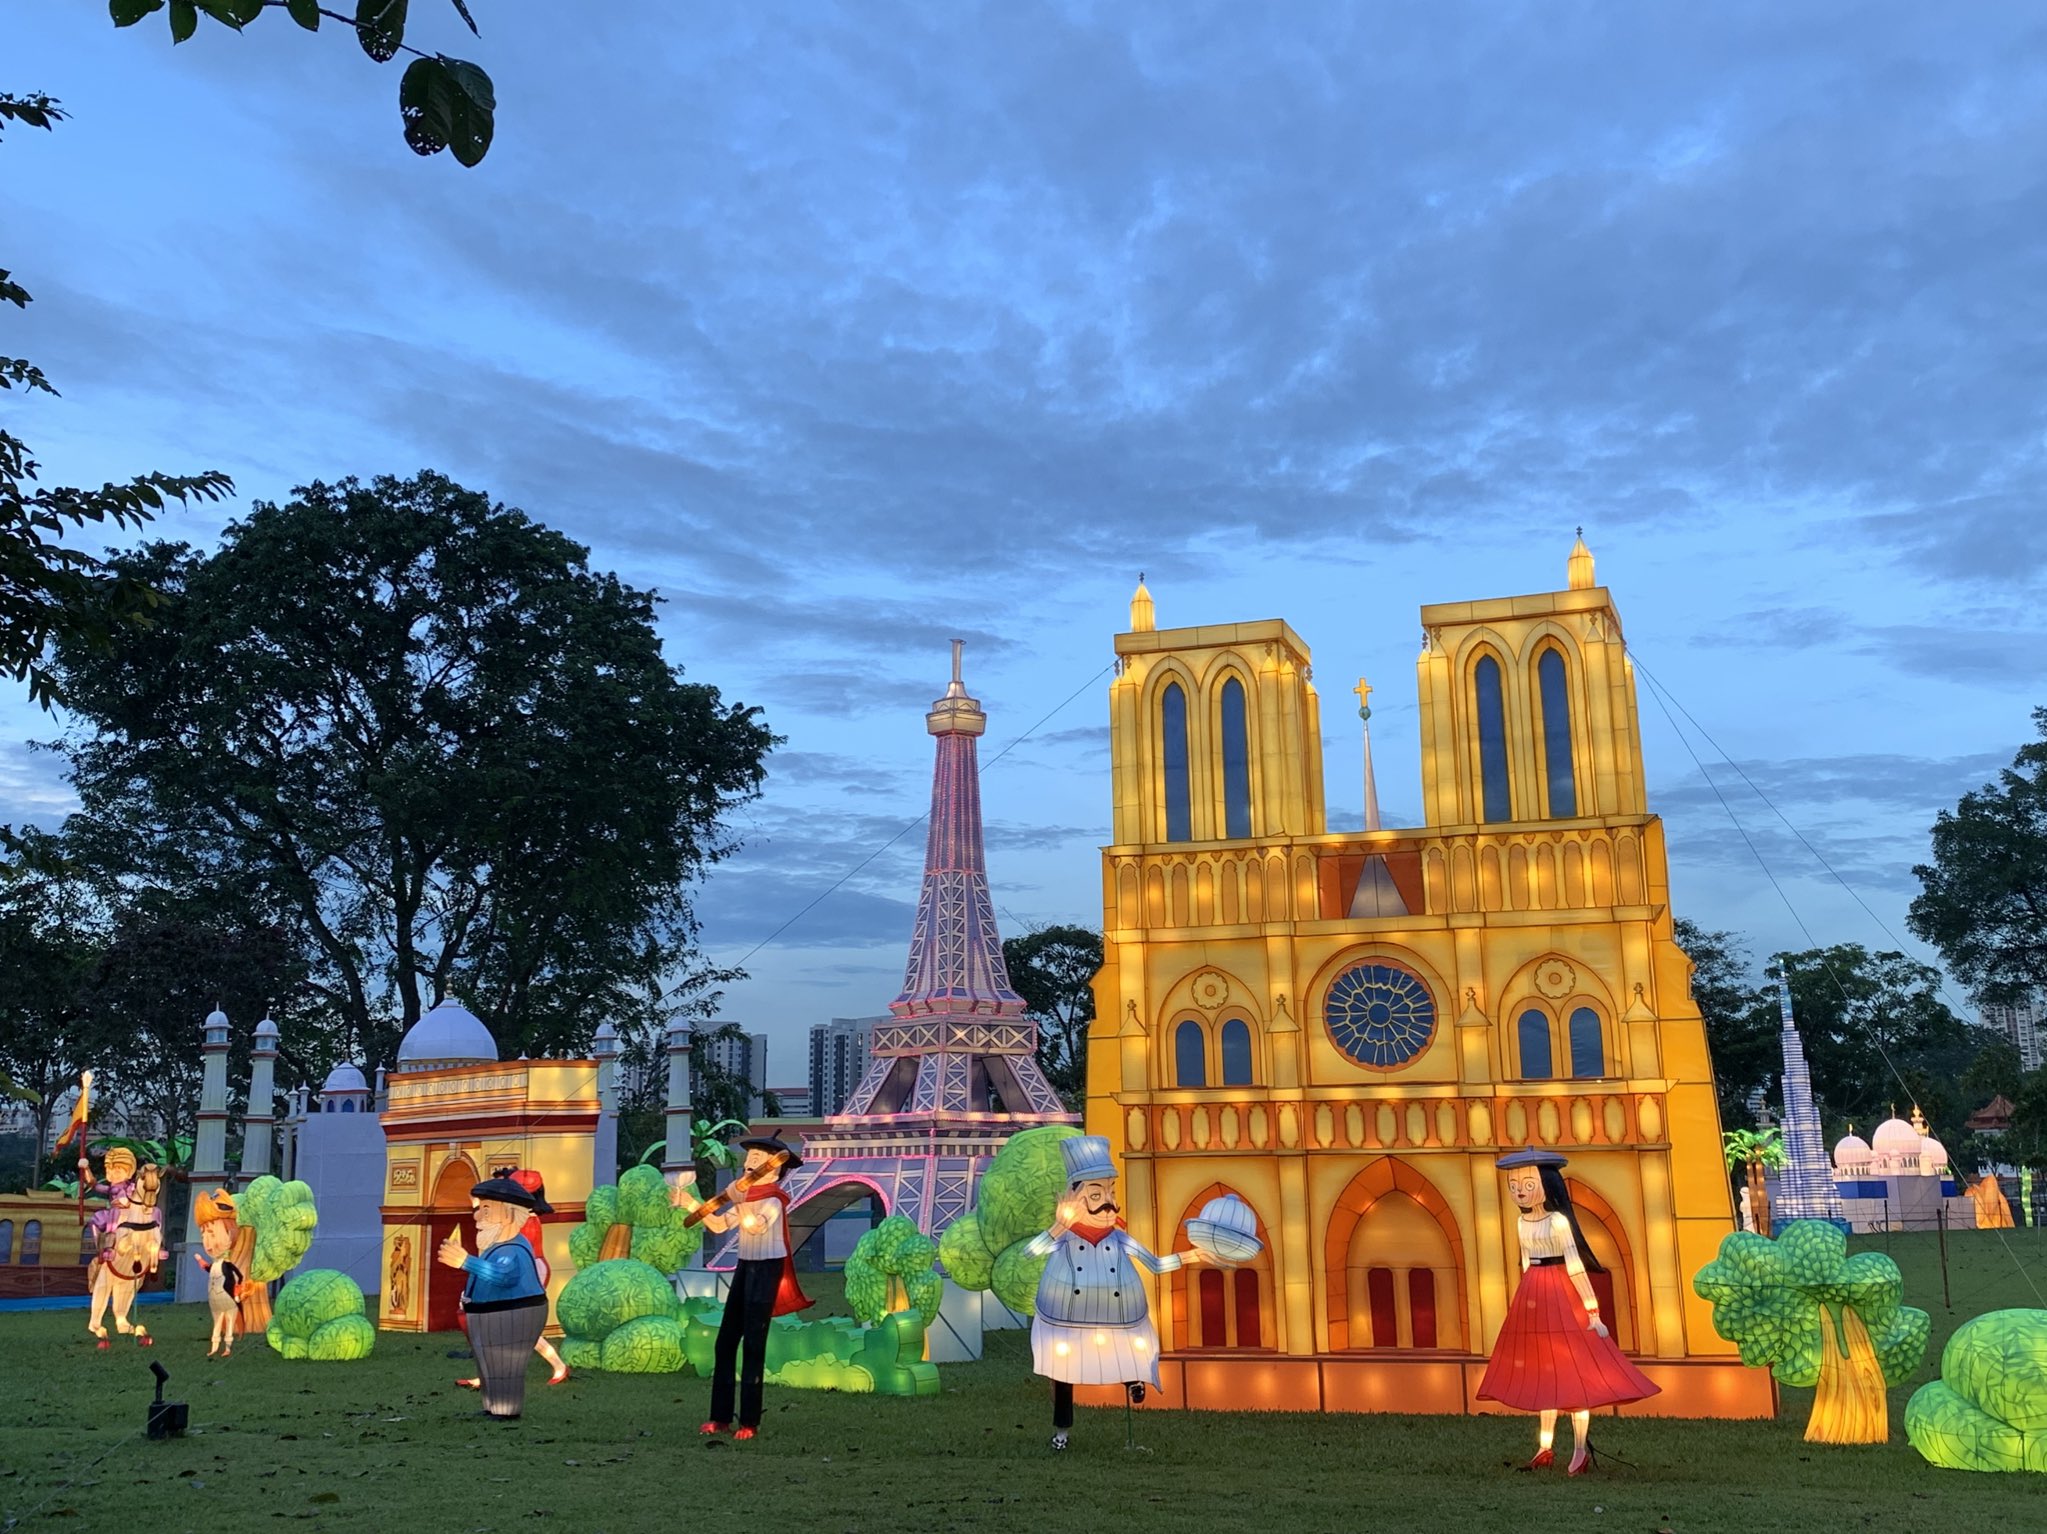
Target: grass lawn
[{"x": 391, "y": 1444}]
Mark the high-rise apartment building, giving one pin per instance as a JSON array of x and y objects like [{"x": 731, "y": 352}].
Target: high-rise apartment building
[
  {"x": 2022, "y": 1025},
  {"x": 742, "y": 1057},
  {"x": 838, "y": 1059}
]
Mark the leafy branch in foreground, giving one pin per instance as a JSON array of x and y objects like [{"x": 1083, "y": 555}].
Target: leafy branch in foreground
[{"x": 444, "y": 103}]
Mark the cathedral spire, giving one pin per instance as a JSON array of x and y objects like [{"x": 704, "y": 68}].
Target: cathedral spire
[
  {"x": 1364, "y": 692},
  {"x": 1578, "y": 568},
  {"x": 955, "y": 962},
  {"x": 1144, "y": 617}
]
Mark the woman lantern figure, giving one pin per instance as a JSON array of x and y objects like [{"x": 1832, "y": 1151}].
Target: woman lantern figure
[{"x": 1554, "y": 1352}]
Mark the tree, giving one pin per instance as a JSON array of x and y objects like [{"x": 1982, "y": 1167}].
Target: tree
[
  {"x": 1877, "y": 1034},
  {"x": 449, "y": 754},
  {"x": 986, "y": 1249},
  {"x": 282, "y": 1217},
  {"x": 48, "y": 590},
  {"x": 1740, "y": 1033},
  {"x": 1995, "y": 1072},
  {"x": 48, "y": 1031},
  {"x": 1983, "y": 898},
  {"x": 891, "y": 1269},
  {"x": 1818, "y": 1317},
  {"x": 443, "y": 102},
  {"x": 1052, "y": 969},
  {"x": 1755, "y": 1154},
  {"x": 634, "y": 1218},
  {"x": 161, "y": 970}
]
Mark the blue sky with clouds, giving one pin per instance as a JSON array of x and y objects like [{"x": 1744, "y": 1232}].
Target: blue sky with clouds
[{"x": 852, "y": 328}]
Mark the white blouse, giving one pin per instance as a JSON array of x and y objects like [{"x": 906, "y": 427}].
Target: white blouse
[{"x": 1549, "y": 1236}]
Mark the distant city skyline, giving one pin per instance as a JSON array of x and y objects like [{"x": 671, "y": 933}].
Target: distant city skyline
[{"x": 1317, "y": 313}]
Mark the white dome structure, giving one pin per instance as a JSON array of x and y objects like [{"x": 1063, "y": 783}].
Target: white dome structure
[
  {"x": 449, "y": 1034},
  {"x": 344, "y": 1078},
  {"x": 345, "y": 1091},
  {"x": 1851, "y": 1154},
  {"x": 1932, "y": 1156}
]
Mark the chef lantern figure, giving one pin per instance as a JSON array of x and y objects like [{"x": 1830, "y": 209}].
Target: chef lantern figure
[
  {"x": 504, "y": 1301},
  {"x": 1092, "y": 1322},
  {"x": 1554, "y": 1352}
]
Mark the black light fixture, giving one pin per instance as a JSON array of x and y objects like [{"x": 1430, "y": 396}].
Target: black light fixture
[{"x": 166, "y": 1418}]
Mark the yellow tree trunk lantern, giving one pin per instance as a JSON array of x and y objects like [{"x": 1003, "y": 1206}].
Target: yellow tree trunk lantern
[{"x": 1818, "y": 1318}]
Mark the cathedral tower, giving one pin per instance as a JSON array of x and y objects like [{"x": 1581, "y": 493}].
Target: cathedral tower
[{"x": 1346, "y": 1029}]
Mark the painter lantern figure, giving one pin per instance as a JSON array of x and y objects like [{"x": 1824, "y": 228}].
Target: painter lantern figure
[
  {"x": 1554, "y": 1352},
  {"x": 504, "y": 1301}
]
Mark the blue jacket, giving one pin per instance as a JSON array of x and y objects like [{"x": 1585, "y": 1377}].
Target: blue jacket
[{"x": 505, "y": 1272}]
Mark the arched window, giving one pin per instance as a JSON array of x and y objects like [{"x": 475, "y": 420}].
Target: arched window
[
  {"x": 1190, "y": 1055},
  {"x": 32, "y": 1241},
  {"x": 6, "y": 1241},
  {"x": 1421, "y": 1306},
  {"x": 348, "y": 1105},
  {"x": 1236, "y": 1053},
  {"x": 1244, "y": 1287},
  {"x": 1494, "y": 802},
  {"x": 1554, "y": 684},
  {"x": 1173, "y": 753},
  {"x": 1533, "y": 1031},
  {"x": 1236, "y": 762},
  {"x": 1588, "y": 1047}
]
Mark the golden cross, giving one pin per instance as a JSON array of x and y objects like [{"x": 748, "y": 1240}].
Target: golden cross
[{"x": 1364, "y": 692}]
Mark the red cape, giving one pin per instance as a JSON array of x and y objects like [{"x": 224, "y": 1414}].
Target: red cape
[{"x": 789, "y": 1295}]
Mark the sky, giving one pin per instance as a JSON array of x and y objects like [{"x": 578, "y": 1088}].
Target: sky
[{"x": 854, "y": 328}]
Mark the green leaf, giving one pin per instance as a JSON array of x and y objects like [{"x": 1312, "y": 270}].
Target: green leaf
[
  {"x": 424, "y": 94},
  {"x": 380, "y": 27},
  {"x": 463, "y": 11},
  {"x": 473, "y": 111},
  {"x": 127, "y": 12},
  {"x": 305, "y": 12},
  {"x": 184, "y": 20},
  {"x": 230, "y": 13}
]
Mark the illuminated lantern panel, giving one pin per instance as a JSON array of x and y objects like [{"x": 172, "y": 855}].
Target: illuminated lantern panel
[{"x": 1345, "y": 1028}]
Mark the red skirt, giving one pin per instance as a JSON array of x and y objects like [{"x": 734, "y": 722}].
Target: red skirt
[{"x": 1548, "y": 1358}]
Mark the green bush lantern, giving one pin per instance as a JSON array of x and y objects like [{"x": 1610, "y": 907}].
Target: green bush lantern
[
  {"x": 1988, "y": 1409},
  {"x": 621, "y": 1316},
  {"x": 1016, "y": 1200},
  {"x": 319, "y": 1316}
]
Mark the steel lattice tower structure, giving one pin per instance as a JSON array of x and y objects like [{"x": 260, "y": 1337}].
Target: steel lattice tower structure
[
  {"x": 954, "y": 1073},
  {"x": 1805, "y": 1187}
]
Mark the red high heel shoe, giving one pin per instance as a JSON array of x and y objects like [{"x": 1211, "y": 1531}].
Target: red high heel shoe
[
  {"x": 746, "y": 1433},
  {"x": 556, "y": 1379},
  {"x": 473, "y": 1384},
  {"x": 712, "y": 1429},
  {"x": 1544, "y": 1458},
  {"x": 1582, "y": 1461}
]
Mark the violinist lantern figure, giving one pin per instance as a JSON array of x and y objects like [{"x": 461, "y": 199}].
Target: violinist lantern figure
[
  {"x": 1554, "y": 1352},
  {"x": 763, "y": 1280},
  {"x": 1092, "y": 1322}
]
